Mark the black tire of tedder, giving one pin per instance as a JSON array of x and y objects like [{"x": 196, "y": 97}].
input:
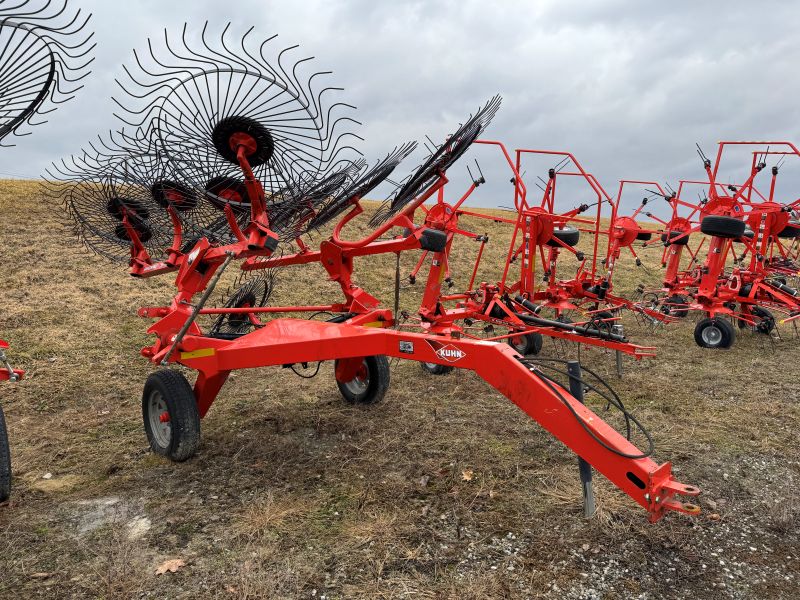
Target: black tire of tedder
[
  {"x": 724, "y": 335},
  {"x": 669, "y": 306},
  {"x": 177, "y": 397},
  {"x": 378, "y": 375},
  {"x": 792, "y": 230},
  {"x": 722, "y": 227},
  {"x": 5, "y": 460},
  {"x": 436, "y": 369},
  {"x": 528, "y": 345},
  {"x": 567, "y": 235},
  {"x": 680, "y": 241},
  {"x": 765, "y": 321}
]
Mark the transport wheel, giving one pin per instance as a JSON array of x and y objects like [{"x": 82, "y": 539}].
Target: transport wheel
[
  {"x": 568, "y": 235},
  {"x": 5, "y": 460},
  {"x": 765, "y": 322},
  {"x": 644, "y": 236},
  {"x": 714, "y": 333},
  {"x": 370, "y": 384},
  {"x": 528, "y": 344},
  {"x": 722, "y": 226},
  {"x": 171, "y": 419},
  {"x": 672, "y": 306},
  {"x": 435, "y": 369}
]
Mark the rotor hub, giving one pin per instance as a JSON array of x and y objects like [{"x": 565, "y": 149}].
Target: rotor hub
[{"x": 233, "y": 133}]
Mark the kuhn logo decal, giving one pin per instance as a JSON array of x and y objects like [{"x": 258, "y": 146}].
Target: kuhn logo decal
[{"x": 447, "y": 352}]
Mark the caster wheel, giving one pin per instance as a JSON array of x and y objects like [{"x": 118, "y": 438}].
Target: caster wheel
[
  {"x": 714, "y": 333},
  {"x": 528, "y": 344},
  {"x": 765, "y": 321},
  {"x": 370, "y": 384},
  {"x": 675, "y": 306},
  {"x": 435, "y": 369},
  {"x": 171, "y": 419}
]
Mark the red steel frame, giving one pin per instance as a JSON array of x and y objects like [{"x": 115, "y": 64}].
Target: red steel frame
[
  {"x": 365, "y": 332},
  {"x": 7, "y": 372},
  {"x": 491, "y": 303},
  {"x": 716, "y": 290},
  {"x": 537, "y": 223},
  {"x": 710, "y": 287}
]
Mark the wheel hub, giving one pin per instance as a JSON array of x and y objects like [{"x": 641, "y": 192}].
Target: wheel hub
[
  {"x": 360, "y": 383},
  {"x": 159, "y": 419},
  {"x": 712, "y": 335}
]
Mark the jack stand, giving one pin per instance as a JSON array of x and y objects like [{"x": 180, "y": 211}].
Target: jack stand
[{"x": 576, "y": 389}]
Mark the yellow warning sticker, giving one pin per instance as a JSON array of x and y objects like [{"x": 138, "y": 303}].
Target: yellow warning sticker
[{"x": 202, "y": 353}]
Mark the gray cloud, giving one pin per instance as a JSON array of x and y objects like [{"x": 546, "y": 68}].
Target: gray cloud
[{"x": 628, "y": 87}]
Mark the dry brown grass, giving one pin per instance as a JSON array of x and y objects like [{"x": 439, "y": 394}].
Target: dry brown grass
[{"x": 293, "y": 491}]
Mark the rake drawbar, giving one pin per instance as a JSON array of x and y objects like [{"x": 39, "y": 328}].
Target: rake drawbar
[{"x": 289, "y": 341}]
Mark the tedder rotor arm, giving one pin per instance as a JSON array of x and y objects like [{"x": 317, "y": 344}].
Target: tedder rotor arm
[{"x": 287, "y": 341}]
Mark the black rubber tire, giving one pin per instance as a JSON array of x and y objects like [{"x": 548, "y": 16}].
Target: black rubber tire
[
  {"x": 724, "y": 337},
  {"x": 668, "y": 307},
  {"x": 644, "y": 236},
  {"x": 792, "y": 230},
  {"x": 529, "y": 344},
  {"x": 765, "y": 321},
  {"x": 722, "y": 226},
  {"x": 780, "y": 279},
  {"x": 378, "y": 377},
  {"x": 748, "y": 234},
  {"x": 681, "y": 241},
  {"x": 568, "y": 235},
  {"x": 5, "y": 460},
  {"x": 184, "y": 418},
  {"x": 435, "y": 369}
]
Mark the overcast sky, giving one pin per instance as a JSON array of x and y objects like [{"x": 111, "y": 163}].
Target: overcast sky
[{"x": 628, "y": 87}]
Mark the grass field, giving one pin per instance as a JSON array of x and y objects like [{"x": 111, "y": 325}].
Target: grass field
[{"x": 295, "y": 494}]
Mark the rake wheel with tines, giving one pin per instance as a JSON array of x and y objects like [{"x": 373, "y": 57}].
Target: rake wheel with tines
[
  {"x": 207, "y": 103},
  {"x": 429, "y": 172},
  {"x": 122, "y": 202},
  {"x": 287, "y": 151},
  {"x": 44, "y": 54},
  {"x": 249, "y": 290}
]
